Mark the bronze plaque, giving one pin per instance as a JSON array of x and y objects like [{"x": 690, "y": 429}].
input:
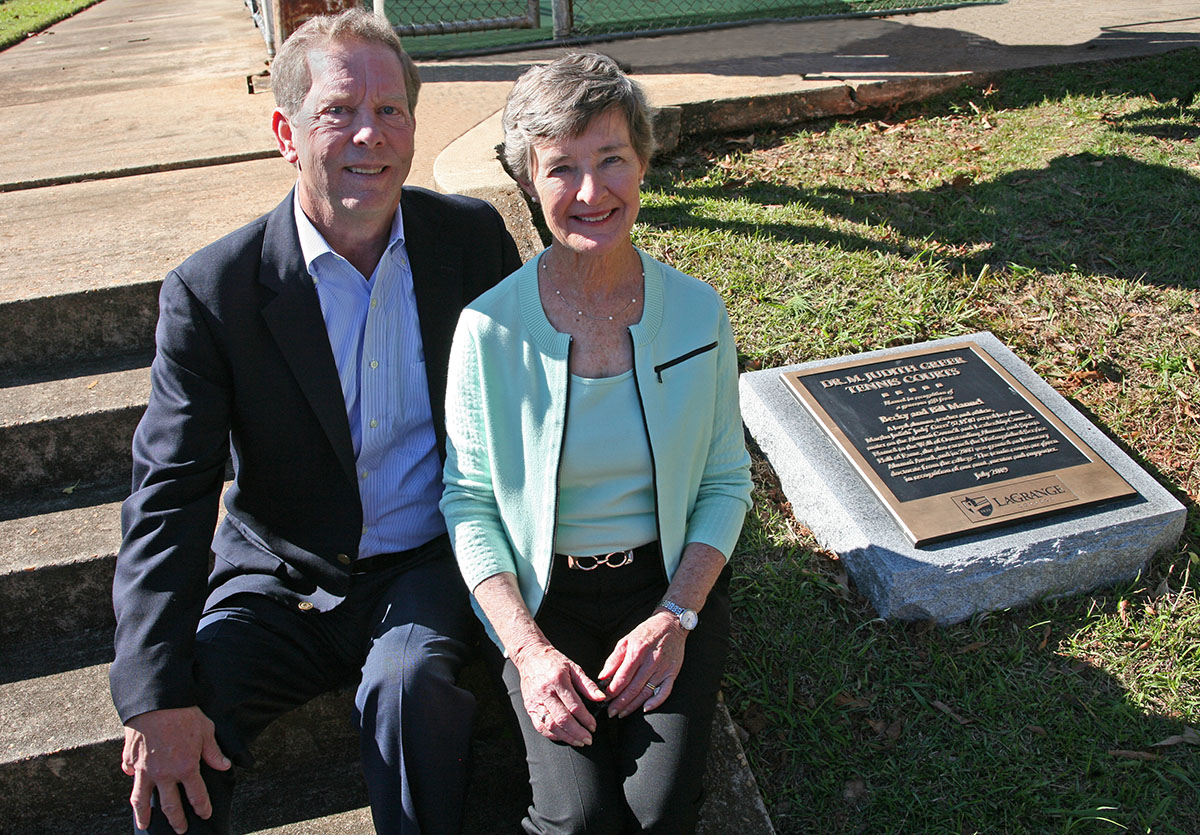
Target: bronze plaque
[{"x": 951, "y": 442}]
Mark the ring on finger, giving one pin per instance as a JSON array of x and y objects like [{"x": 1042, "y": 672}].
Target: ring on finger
[{"x": 652, "y": 688}]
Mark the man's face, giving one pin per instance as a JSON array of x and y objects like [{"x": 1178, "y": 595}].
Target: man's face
[{"x": 352, "y": 139}]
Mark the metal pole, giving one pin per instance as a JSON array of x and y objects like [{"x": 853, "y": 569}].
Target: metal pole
[
  {"x": 563, "y": 18},
  {"x": 380, "y": 8}
]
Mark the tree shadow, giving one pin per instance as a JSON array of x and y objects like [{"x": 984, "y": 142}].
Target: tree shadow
[
  {"x": 1106, "y": 214},
  {"x": 869, "y": 726}
]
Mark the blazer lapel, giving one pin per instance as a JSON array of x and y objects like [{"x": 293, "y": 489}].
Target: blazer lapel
[{"x": 294, "y": 318}]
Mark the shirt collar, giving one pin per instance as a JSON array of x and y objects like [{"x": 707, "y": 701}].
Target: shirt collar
[{"x": 313, "y": 244}]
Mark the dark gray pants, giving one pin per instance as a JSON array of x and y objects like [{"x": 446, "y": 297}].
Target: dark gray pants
[
  {"x": 643, "y": 773},
  {"x": 406, "y": 631}
]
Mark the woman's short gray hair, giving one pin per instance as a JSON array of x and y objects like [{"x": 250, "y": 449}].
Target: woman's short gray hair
[
  {"x": 291, "y": 77},
  {"x": 560, "y": 99}
]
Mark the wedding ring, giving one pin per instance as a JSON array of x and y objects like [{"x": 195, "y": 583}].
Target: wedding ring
[{"x": 652, "y": 688}]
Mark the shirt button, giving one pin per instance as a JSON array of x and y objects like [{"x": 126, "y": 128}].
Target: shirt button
[
  {"x": 316, "y": 280},
  {"x": 374, "y": 423},
  {"x": 374, "y": 363},
  {"x": 374, "y": 302},
  {"x": 304, "y": 606},
  {"x": 364, "y": 473},
  {"x": 343, "y": 559},
  {"x": 364, "y": 530}
]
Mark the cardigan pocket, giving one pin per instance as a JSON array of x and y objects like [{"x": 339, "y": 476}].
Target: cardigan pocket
[{"x": 695, "y": 352}]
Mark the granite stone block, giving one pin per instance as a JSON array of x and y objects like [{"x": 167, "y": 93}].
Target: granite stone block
[{"x": 1064, "y": 553}]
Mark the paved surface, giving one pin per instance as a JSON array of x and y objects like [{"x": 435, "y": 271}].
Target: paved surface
[{"x": 131, "y": 86}]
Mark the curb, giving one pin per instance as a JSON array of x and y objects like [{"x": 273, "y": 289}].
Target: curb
[{"x": 470, "y": 165}]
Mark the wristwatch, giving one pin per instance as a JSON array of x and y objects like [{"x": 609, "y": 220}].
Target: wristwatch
[{"x": 688, "y": 619}]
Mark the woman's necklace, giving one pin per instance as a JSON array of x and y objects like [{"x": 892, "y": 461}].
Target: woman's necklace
[{"x": 578, "y": 311}]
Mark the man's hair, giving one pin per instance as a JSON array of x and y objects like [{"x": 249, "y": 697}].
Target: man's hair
[
  {"x": 560, "y": 99},
  {"x": 291, "y": 77}
]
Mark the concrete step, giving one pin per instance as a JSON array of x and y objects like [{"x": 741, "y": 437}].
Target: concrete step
[
  {"x": 46, "y": 331},
  {"x": 77, "y": 429},
  {"x": 61, "y": 741},
  {"x": 57, "y": 552}
]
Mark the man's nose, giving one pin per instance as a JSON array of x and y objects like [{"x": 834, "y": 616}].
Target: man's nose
[{"x": 367, "y": 131}]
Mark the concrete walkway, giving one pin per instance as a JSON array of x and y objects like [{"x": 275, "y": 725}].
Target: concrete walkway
[{"x": 138, "y": 87}]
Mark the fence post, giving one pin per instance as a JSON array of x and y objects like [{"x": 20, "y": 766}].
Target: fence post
[
  {"x": 564, "y": 21},
  {"x": 381, "y": 8}
]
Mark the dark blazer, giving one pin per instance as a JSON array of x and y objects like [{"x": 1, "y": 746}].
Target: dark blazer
[{"x": 243, "y": 364}]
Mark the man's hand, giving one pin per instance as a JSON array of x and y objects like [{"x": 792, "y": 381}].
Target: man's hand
[{"x": 163, "y": 749}]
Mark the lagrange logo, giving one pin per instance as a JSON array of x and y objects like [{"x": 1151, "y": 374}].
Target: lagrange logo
[{"x": 1010, "y": 499}]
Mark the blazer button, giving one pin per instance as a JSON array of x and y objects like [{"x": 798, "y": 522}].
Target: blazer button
[
  {"x": 343, "y": 559},
  {"x": 304, "y": 606}
]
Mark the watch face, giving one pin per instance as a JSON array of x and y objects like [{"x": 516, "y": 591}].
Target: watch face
[{"x": 688, "y": 619}]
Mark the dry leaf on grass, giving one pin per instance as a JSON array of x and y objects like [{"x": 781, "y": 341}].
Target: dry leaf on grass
[
  {"x": 944, "y": 708},
  {"x": 1188, "y": 737},
  {"x": 977, "y": 645},
  {"x": 1145, "y": 756},
  {"x": 854, "y": 790},
  {"x": 1045, "y": 637},
  {"x": 852, "y": 702}
]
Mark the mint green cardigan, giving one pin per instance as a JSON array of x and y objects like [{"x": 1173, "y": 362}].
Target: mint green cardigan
[{"x": 506, "y": 406}]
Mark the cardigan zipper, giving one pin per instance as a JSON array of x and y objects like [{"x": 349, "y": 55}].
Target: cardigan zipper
[
  {"x": 659, "y": 369},
  {"x": 650, "y": 446}
]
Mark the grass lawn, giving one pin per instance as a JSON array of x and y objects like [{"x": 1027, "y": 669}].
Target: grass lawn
[
  {"x": 21, "y": 18},
  {"x": 1061, "y": 211}
]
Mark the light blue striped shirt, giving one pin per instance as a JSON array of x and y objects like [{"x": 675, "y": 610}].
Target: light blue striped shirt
[{"x": 376, "y": 340}]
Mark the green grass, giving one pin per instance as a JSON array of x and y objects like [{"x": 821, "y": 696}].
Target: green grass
[
  {"x": 21, "y": 18},
  {"x": 1061, "y": 211}
]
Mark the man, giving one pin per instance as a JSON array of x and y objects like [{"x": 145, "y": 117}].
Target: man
[{"x": 312, "y": 343}]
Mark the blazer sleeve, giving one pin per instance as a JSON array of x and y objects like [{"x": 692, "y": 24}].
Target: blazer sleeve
[{"x": 179, "y": 454}]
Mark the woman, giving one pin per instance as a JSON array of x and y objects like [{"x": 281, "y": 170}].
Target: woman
[{"x": 596, "y": 479}]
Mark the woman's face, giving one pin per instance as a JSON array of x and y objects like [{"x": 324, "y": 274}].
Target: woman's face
[{"x": 588, "y": 185}]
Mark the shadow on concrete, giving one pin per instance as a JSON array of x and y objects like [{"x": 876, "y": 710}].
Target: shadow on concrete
[{"x": 856, "y": 50}]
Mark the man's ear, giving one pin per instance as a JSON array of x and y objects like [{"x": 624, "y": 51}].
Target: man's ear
[{"x": 282, "y": 128}]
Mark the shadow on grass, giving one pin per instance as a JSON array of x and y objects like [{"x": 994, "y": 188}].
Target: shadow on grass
[
  {"x": 1110, "y": 215},
  {"x": 1007, "y": 723}
]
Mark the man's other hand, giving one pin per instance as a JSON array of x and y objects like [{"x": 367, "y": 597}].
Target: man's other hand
[{"x": 163, "y": 750}]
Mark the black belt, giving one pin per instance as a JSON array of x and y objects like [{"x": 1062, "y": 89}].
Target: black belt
[
  {"x": 382, "y": 562},
  {"x": 615, "y": 559}
]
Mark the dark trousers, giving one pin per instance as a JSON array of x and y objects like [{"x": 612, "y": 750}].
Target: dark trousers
[
  {"x": 406, "y": 632},
  {"x": 643, "y": 773}
]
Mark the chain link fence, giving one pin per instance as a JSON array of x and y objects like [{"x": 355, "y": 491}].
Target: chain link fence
[{"x": 433, "y": 28}]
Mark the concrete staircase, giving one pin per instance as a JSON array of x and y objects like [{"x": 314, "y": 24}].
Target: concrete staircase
[
  {"x": 71, "y": 393},
  {"x": 168, "y": 153},
  {"x": 66, "y": 421}
]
